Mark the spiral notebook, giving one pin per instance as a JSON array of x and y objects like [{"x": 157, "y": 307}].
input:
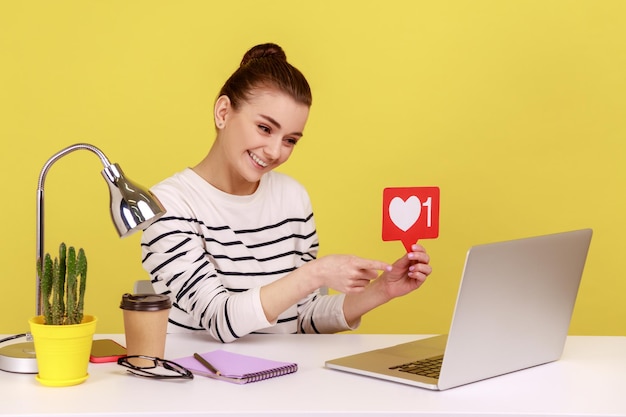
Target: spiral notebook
[{"x": 237, "y": 368}]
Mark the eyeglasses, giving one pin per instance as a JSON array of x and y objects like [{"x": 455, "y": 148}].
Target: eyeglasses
[{"x": 169, "y": 370}]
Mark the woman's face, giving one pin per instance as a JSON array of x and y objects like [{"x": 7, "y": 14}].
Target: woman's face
[{"x": 259, "y": 136}]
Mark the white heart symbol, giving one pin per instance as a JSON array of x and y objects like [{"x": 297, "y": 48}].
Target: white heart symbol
[{"x": 404, "y": 214}]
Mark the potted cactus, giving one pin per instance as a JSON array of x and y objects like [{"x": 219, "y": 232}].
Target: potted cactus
[{"x": 63, "y": 334}]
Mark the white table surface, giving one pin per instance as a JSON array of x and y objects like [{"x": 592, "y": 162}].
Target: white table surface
[{"x": 590, "y": 379}]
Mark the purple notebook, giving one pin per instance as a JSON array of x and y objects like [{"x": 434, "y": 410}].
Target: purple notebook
[{"x": 237, "y": 368}]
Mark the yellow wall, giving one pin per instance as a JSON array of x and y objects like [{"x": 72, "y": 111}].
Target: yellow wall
[{"x": 514, "y": 108}]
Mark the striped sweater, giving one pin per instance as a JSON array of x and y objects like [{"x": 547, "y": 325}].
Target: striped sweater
[{"x": 212, "y": 251}]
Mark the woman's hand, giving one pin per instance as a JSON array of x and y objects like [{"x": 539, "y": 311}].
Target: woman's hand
[
  {"x": 407, "y": 274},
  {"x": 346, "y": 273}
]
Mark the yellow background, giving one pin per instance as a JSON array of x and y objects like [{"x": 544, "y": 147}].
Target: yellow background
[{"x": 515, "y": 109}]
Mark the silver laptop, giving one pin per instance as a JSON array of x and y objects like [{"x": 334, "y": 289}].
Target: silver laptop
[{"x": 512, "y": 312}]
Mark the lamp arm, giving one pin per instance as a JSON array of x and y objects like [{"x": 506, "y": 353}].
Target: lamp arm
[
  {"x": 40, "y": 201},
  {"x": 62, "y": 153}
]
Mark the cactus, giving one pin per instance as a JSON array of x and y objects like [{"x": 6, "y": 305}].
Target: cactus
[
  {"x": 71, "y": 285},
  {"x": 63, "y": 284},
  {"x": 46, "y": 287},
  {"x": 81, "y": 270}
]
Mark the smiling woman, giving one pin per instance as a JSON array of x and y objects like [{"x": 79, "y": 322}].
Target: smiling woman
[{"x": 237, "y": 248}]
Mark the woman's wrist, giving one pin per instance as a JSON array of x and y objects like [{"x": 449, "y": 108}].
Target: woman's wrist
[
  {"x": 358, "y": 304},
  {"x": 377, "y": 292},
  {"x": 311, "y": 278}
]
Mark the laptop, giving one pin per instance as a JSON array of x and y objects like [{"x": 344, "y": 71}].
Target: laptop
[{"x": 512, "y": 312}]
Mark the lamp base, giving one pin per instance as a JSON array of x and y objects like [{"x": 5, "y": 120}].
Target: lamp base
[{"x": 18, "y": 358}]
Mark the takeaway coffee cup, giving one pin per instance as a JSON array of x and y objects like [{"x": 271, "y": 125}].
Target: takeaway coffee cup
[{"x": 145, "y": 325}]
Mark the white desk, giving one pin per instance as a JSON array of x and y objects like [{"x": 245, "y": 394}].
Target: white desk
[{"x": 589, "y": 380}]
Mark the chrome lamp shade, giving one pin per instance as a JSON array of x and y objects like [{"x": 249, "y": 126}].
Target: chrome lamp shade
[{"x": 132, "y": 207}]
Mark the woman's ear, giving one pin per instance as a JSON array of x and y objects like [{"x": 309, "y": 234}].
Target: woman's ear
[{"x": 221, "y": 111}]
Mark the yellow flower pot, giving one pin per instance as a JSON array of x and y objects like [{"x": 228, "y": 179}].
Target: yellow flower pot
[{"x": 62, "y": 351}]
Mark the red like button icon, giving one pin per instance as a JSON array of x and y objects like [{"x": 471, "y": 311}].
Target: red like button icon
[{"x": 410, "y": 214}]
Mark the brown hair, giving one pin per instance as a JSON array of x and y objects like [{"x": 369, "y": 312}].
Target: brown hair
[{"x": 266, "y": 65}]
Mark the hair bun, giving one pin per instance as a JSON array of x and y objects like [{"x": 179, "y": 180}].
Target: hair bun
[{"x": 266, "y": 50}]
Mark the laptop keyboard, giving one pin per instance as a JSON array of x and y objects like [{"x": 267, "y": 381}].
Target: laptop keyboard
[{"x": 429, "y": 367}]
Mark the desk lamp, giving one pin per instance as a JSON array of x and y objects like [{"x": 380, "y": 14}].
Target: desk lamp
[{"x": 132, "y": 208}]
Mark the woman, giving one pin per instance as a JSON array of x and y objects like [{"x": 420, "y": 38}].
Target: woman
[{"x": 237, "y": 249}]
